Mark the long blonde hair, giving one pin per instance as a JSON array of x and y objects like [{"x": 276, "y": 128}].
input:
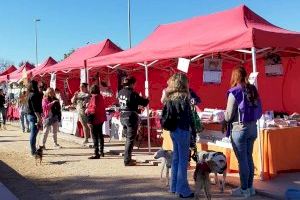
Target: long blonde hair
[
  {"x": 178, "y": 87},
  {"x": 48, "y": 93}
]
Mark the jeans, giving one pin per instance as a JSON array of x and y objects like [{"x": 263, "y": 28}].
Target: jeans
[
  {"x": 23, "y": 118},
  {"x": 242, "y": 143},
  {"x": 181, "y": 144},
  {"x": 33, "y": 132},
  {"x": 130, "y": 127},
  {"x": 54, "y": 131},
  {"x": 3, "y": 113},
  {"x": 98, "y": 135}
]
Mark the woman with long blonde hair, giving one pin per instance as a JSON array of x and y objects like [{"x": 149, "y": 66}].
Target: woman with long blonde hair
[
  {"x": 177, "y": 118},
  {"x": 51, "y": 115}
]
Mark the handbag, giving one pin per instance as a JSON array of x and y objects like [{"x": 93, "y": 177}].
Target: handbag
[{"x": 168, "y": 119}]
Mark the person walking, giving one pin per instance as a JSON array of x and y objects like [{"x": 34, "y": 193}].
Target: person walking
[
  {"x": 177, "y": 118},
  {"x": 129, "y": 101},
  {"x": 22, "y": 105},
  {"x": 96, "y": 116},
  {"x": 34, "y": 112},
  {"x": 51, "y": 116},
  {"x": 242, "y": 112},
  {"x": 80, "y": 99},
  {"x": 2, "y": 108}
]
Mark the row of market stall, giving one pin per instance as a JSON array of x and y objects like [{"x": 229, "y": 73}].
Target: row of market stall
[{"x": 236, "y": 37}]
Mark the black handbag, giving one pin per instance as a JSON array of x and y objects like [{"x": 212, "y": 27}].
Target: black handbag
[{"x": 168, "y": 119}]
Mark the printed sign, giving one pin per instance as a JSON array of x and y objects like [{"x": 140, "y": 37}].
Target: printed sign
[
  {"x": 212, "y": 70},
  {"x": 183, "y": 64}
]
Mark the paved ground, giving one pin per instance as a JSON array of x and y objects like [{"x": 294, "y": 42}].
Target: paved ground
[{"x": 68, "y": 174}]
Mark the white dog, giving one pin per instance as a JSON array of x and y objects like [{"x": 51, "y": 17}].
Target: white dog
[{"x": 166, "y": 162}]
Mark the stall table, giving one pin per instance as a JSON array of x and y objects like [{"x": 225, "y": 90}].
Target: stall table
[{"x": 279, "y": 147}]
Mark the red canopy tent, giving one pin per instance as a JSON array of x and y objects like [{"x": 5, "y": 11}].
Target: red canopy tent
[
  {"x": 16, "y": 75},
  {"x": 75, "y": 62},
  {"x": 8, "y": 70},
  {"x": 47, "y": 63},
  {"x": 234, "y": 29},
  {"x": 77, "y": 59},
  {"x": 232, "y": 34}
]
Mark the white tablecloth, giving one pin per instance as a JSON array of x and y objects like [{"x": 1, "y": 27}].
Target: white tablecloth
[{"x": 69, "y": 122}]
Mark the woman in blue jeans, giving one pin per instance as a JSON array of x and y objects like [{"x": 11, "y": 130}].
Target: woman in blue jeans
[
  {"x": 242, "y": 112},
  {"x": 34, "y": 112},
  {"x": 177, "y": 107}
]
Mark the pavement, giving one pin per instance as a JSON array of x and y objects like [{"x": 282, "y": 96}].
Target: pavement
[{"x": 67, "y": 173}]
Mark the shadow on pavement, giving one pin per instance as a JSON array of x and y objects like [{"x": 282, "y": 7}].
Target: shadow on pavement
[{"x": 20, "y": 186}]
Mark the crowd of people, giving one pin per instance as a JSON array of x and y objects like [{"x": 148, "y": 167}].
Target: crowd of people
[{"x": 40, "y": 110}]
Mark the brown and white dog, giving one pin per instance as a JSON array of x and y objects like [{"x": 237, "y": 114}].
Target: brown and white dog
[{"x": 209, "y": 162}]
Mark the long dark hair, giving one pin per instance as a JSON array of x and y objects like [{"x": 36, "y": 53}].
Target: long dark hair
[
  {"x": 33, "y": 86},
  {"x": 239, "y": 77}
]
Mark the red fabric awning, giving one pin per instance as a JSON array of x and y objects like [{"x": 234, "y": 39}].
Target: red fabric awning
[
  {"x": 8, "y": 70},
  {"x": 16, "y": 75},
  {"x": 77, "y": 58},
  {"x": 47, "y": 63},
  {"x": 229, "y": 30}
]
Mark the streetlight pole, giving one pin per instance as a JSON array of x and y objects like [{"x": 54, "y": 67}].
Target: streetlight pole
[
  {"x": 36, "y": 42},
  {"x": 129, "y": 25}
]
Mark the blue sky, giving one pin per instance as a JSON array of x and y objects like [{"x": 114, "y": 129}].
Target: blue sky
[{"x": 67, "y": 24}]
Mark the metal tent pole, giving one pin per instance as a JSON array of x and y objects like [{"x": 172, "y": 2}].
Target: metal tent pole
[
  {"x": 147, "y": 95},
  {"x": 254, "y": 68}
]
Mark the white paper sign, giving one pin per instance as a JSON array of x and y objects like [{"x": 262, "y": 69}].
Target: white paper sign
[
  {"x": 274, "y": 70},
  {"x": 253, "y": 77},
  {"x": 53, "y": 81},
  {"x": 83, "y": 76},
  {"x": 212, "y": 77},
  {"x": 183, "y": 64}
]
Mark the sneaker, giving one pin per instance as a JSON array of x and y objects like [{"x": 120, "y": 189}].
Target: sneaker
[
  {"x": 57, "y": 146},
  {"x": 28, "y": 131},
  {"x": 252, "y": 191},
  {"x": 94, "y": 157},
  {"x": 185, "y": 197},
  {"x": 238, "y": 192}
]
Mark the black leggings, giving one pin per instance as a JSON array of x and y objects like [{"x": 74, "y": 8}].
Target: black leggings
[{"x": 97, "y": 134}]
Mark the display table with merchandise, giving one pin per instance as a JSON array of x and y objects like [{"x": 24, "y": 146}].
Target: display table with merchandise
[
  {"x": 279, "y": 147},
  {"x": 69, "y": 122}
]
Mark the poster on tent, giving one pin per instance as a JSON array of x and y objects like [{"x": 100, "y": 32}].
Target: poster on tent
[
  {"x": 83, "y": 76},
  {"x": 273, "y": 65},
  {"x": 212, "y": 70},
  {"x": 53, "y": 81},
  {"x": 183, "y": 64}
]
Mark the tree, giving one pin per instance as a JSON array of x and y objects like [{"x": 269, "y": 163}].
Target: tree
[
  {"x": 25, "y": 61},
  {"x": 4, "y": 64},
  {"x": 69, "y": 53}
]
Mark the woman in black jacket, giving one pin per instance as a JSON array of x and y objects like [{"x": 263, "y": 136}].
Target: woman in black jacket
[{"x": 177, "y": 117}]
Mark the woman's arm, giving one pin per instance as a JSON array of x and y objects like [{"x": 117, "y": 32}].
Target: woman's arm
[{"x": 231, "y": 108}]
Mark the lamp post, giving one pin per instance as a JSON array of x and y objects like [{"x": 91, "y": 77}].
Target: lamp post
[
  {"x": 129, "y": 25},
  {"x": 36, "y": 41}
]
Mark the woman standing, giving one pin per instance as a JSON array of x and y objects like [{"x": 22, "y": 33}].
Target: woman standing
[
  {"x": 52, "y": 116},
  {"x": 22, "y": 105},
  {"x": 34, "y": 112},
  {"x": 177, "y": 117},
  {"x": 242, "y": 112},
  {"x": 80, "y": 99},
  {"x": 96, "y": 116}
]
